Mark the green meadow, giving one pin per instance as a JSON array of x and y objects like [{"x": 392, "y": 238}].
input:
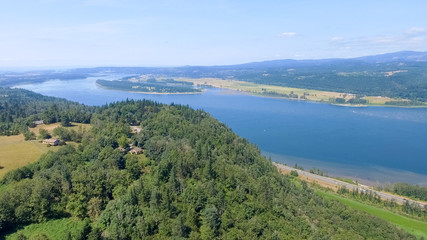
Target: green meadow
[{"x": 413, "y": 226}]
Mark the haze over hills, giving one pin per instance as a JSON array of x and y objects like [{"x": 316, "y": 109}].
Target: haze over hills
[
  {"x": 400, "y": 75},
  {"x": 403, "y": 56}
]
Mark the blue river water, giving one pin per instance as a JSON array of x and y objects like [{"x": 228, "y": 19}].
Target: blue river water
[{"x": 369, "y": 144}]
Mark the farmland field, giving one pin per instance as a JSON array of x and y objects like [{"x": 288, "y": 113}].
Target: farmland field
[
  {"x": 285, "y": 92},
  {"x": 16, "y": 152}
]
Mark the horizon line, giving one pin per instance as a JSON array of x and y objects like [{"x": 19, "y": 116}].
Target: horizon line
[{"x": 66, "y": 67}]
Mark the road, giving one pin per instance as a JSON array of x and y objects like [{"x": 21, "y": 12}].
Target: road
[{"x": 361, "y": 188}]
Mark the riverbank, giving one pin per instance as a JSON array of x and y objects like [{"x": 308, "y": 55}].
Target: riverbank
[
  {"x": 299, "y": 94},
  {"x": 366, "y": 174},
  {"x": 154, "y": 93},
  {"x": 335, "y": 184}
]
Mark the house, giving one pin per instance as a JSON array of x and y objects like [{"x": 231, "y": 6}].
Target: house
[
  {"x": 135, "y": 129},
  {"x": 39, "y": 122},
  {"x": 136, "y": 150},
  {"x": 51, "y": 141},
  {"x": 121, "y": 149}
]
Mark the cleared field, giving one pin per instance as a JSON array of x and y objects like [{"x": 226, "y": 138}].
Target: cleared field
[
  {"x": 276, "y": 91},
  {"x": 50, "y": 127},
  {"x": 53, "y": 229},
  {"x": 415, "y": 227},
  {"x": 15, "y": 152},
  {"x": 260, "y": 89}
]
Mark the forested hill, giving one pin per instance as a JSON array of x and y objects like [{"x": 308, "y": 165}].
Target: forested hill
[
  {"x": 397, "y": 75},
  {"x": 196, "y": 179},
  {"x": 19, "y": 109}
]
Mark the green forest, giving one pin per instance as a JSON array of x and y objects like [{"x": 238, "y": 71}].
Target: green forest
[
  {"x": 389, "y": 75},
  {"x": 383, "y": 79},
  {"x": 196, "y": 179},
  {"x": 150, "y": 86},
  {"x": 393, "y": 78},
  {"x": 404, "y": 189},
  {"x": 19, "y": 109}
]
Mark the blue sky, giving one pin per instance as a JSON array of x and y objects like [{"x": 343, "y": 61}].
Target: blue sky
[{"x": 72, "y": 33}]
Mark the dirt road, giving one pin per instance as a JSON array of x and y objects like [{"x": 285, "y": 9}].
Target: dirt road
[{"x": 335, "y": 184}]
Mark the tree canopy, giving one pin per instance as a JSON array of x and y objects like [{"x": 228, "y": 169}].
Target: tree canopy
[{"x": 196, "y": 179}]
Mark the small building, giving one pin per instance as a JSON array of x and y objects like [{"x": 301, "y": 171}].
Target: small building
[
  {"x": 136, "y": 150},
  {"x": 121, "y": 149},
  {"x": 51, "y": 141},
  {"x": 135, "y": 129},
  {"x": 39, "y": 122}
]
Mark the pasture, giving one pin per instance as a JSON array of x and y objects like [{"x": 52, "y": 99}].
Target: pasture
[
  {"x": 272, "y": 91},
  {"x": 413, "y": 226},
  {"x": 16, "y": 152}
]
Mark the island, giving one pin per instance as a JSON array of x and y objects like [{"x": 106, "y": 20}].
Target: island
[{"x": 142, "y": 84}]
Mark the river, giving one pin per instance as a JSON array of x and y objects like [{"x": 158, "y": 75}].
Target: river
[{"x": 368, "y": 144}]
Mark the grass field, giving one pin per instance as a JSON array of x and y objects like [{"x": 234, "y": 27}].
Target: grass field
[
  {"x": 415, "y": 227},
  {"x": 50, "y": 127},
  {"x": 53, "y": 229},
  {"x": 16, "y": 152},
  {"x": 263, "y": 90}
]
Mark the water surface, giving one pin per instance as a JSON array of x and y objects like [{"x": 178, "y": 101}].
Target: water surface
[{"x": 372, "y": 144}]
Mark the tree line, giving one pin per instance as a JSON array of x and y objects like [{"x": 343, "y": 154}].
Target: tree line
[{"x": 19, "y": 109}]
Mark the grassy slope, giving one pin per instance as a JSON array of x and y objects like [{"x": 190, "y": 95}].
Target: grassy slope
[
  {"x": 53, "y": 229},
  {"x": 415, "y": 227}
]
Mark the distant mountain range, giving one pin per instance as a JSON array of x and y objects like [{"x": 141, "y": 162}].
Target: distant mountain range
[{"x": 403, "y": 56}]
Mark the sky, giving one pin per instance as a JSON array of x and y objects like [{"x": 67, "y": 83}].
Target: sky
[{"x": 89, "y": 33}]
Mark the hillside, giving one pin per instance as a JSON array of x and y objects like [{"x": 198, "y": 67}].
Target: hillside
[
  {"x": 395, "y": 75},
  {"x": 19, "y": 109},
  {"x": 195, "y": 179},
  {"x": 400, "y": 75}
]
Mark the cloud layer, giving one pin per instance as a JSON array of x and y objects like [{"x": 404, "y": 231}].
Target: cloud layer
[{"x": 288, "y": 34}]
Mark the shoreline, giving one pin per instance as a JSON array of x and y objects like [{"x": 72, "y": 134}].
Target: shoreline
[
  {"x": 334, "y": 104},
  {"x": 253, "y": 89},
  {"x": 258, "y": 95},
  {"x": 335, "y": 184},
  {"x": 154, "y": 93},
  {"x": 369, "y": 175}
]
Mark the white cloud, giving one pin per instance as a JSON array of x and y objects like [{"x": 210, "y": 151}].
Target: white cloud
[
  {"x": 107, "y": 28},
  {"x": 101, "y": 2},
  {"x": 411, "y": 39},
  {"x": 337, "y": 39},
  {"x": 288, "y": 34},
  {"x": 415, "y": 31},
  {"x": 382, "y": 39}
]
